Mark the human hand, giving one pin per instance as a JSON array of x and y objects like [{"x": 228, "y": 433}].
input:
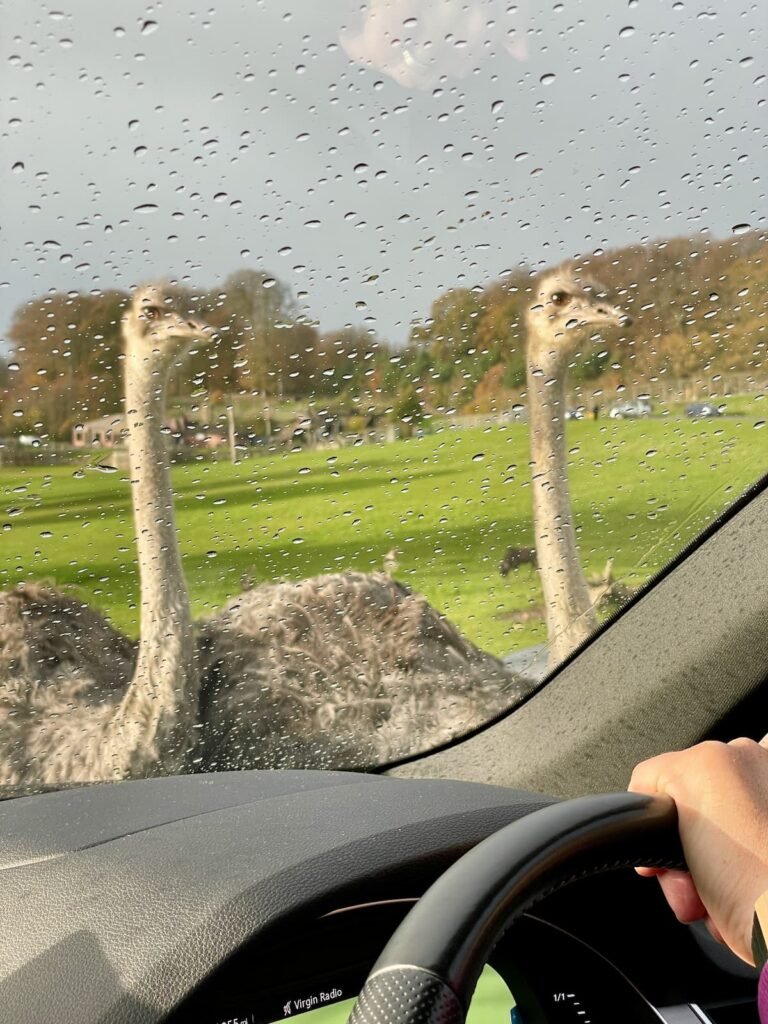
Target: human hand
[{"x": 721, "y": 793}]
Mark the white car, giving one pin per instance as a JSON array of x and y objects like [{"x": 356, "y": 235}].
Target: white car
[{"x": 633, "y": 409}]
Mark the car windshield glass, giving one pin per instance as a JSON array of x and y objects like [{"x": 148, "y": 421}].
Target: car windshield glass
[{"x": 358, "y": 359}]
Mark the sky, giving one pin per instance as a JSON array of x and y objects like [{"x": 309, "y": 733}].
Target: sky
[{"x": 370, "y": 154}]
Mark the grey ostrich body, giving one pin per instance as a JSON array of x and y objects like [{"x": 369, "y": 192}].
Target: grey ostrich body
[
  {"x": 351, "y": 654},
  {"x": 565, "y": 308}
]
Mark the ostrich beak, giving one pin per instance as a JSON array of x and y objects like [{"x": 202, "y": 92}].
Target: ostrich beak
[
  {"x": 602, "y": 313},
  {"x": 201, "y": 332}
]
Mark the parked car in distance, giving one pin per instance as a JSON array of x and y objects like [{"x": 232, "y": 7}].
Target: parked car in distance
[
  {"x": 632, "y": 409},
  {"x": 702, "y": 410}
]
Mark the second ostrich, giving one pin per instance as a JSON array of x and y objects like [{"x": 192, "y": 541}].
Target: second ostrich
[{"x": 565, "y": 309}]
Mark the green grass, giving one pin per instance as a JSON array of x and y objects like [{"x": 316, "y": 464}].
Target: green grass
[{"x": 451, "y": 502}]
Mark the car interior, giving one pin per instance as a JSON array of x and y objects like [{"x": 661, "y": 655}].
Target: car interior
[{"x": 258, "y": 896}]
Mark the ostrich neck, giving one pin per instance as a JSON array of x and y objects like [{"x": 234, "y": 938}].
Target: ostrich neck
[
  {"x": 569, "y": 613},
  {"x": 159, "y": 706}
]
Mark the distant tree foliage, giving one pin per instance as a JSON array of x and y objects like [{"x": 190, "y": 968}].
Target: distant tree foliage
[{"x": 699, "y": 308}]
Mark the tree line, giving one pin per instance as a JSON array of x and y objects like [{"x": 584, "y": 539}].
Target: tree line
[{"x": 698, "y": 307}]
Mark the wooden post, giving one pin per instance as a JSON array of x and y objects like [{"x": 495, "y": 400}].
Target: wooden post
[{"x": 231, "y": 431}]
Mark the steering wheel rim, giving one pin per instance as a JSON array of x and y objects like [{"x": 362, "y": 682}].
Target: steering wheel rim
[{"x": 429, "y": 968}]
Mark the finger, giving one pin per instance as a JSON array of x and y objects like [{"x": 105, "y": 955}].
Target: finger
[
  {"x": 682, "y": 896},
  {"x": 650, "y": 872},
  {"x": 650, "y": 776}
]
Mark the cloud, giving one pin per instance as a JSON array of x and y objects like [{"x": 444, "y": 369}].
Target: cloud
[{"x": 419, "y": 42}]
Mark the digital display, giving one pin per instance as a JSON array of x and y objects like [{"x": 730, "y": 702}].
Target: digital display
[{"x": 492, "y": 1003}]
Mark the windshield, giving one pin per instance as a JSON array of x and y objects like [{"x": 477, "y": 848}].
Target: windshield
[{"x": 357, "y": 360}]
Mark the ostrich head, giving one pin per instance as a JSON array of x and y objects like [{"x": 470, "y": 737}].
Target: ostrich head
[
  {"x": 566, "y": 307},
  {"x": 159, "y": 328}
]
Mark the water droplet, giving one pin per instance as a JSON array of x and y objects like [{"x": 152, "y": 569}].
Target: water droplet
[
  {"x": 740, "y": 229},
  {"x": 145, "y": 208},
  {"x": 360, "y": 168},
  {"x": 13, "y": 366},
  {"x": 496, "y": 106},
  {"x": 148, "y": 28},
  {"x": 18, "y": 167},
  {"x": 760, "y": 424},
  {"x": 211, "y": 554},
  {"x": 651, "y": 452},
  {"x": 547, "y": 79},
  {"x": 46, "y": 534},
  {"x": 479, "y": 457},
  {"x": 627, "y": 31}
]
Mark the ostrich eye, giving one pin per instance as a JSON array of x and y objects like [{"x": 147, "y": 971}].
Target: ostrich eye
[{"x": 559, "y": 298}]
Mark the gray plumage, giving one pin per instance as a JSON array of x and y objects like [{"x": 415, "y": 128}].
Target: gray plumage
[{"x": 347, "y": 654}]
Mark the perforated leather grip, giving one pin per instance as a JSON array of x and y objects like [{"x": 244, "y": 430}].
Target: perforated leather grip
[
  {"x": 450, "y": 933},
  {"x": 407, "y": 995}
]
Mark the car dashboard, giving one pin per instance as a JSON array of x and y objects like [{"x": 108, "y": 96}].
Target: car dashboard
[{"x": 257, "y": 897}]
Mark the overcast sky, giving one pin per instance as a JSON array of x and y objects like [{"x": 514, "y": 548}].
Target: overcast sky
[{"x": 369, "y": 154}]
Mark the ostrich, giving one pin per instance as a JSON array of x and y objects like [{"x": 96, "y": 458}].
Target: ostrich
[
  {"x": 76, "y": 703},
  {"x": 565, "y": 308},
  {"x": 256, "y": 686}
]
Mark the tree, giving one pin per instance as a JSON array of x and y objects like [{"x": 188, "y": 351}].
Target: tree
[
  {"x": 259, "y": 307},
  {"x": 68, "y": 347}
]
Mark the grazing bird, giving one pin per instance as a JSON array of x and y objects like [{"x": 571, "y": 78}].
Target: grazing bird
[
  {"x": 391, "y": 563},
  {"x": 255, "y": 686},
  {"x": 566, "y": 310},
  {"x": 514, "y": 557}
]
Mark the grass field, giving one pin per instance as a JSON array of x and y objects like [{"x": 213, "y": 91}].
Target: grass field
[{"x": 451, "y": 502}]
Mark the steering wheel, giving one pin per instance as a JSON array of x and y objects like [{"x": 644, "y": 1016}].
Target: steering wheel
[{"x": 429, "y": 968}]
